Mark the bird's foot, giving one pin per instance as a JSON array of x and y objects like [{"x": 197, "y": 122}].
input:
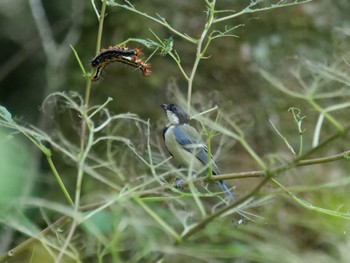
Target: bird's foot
[
  {"x": 240, "y": 220},
  {"x": 178, "y": 183}
]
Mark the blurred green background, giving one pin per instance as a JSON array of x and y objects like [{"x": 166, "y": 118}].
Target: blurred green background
[{"x": 278, "y": 41}]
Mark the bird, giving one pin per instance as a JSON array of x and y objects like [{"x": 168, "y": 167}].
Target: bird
[{"x": 186, "y": 146}]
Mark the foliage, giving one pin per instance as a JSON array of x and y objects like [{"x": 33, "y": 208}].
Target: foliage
[{"x": 124, "y": 205}]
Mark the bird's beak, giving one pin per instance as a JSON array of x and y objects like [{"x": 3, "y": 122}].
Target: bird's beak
[{"x": 164, "y": 106}]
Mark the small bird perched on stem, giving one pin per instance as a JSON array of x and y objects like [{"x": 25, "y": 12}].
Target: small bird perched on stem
[{"x": 186, "y": 145}]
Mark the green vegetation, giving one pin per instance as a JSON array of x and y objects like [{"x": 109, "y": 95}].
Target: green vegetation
[{"x": 98, "y": 186}]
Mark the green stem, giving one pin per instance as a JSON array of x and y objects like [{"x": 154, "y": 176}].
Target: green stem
[
  {"x": 29, "y": 242},
  {"x": 199, "y": 53},
  {"x": 83, "y": 157},
  {"x": 309, "y": 206},
  {"x": 326, "y": 142},
  {"x": 160, "y": 221},
  {"x": 88, "y": 83},
  {"x": 332, "y": 158},
  {"x": 100, "y": 26},
  {"x": 300, "y": 143},
  {"x": 58, "y": 178},
  {"x": 210, "y": 168},
  {"x": 211, "y": 217},
  {"x": 317, "y": 107},
  {"x": 79, "y": 61},
  {"x": 249, "y": 9},
  {"x": 84, "y": 150},
  {"x": 159, "y": 21},
  {"x": 175, "y": 57},
  {"x": 252, "y": 153},
  {"x": 48, "y": 155}
]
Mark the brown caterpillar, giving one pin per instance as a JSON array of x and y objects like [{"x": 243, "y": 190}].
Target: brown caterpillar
[{"x": 118, "y": 54}]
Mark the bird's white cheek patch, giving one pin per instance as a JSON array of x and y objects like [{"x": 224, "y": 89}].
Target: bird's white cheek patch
[{"x": 173, "y": 119}]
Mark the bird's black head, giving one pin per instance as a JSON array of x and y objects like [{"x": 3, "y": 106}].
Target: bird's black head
[{"x": 175, "y": 114}]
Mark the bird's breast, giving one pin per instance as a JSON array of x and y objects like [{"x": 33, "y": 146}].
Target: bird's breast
[{"x": 181, "y": 155}]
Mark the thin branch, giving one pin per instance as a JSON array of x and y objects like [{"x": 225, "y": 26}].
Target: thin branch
[
  {"x": 24, "y": 245},
  {"x": 344, "y": 155},
  {"x": 159, "y": 20},
  {"x": 211, "y": 217},
  {"x": 249, "y": 9}
]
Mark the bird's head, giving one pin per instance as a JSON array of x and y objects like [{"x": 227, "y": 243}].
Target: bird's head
[{"x": 175, "y": 114}]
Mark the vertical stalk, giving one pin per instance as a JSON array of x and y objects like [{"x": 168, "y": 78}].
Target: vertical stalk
[
  {"x": 210, "y": 168},
  {"x": 84, "y": 149},
  {"x": 199, "y": 53},
  {"x": 88, "y": 83},
  {"x": 100, "y": 26}
]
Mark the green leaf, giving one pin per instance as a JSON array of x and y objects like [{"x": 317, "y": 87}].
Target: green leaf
[
  {"x": 101, "y": 222},
  {"x": 5, "y": 114},
  {"x": 16, "y": 171}
]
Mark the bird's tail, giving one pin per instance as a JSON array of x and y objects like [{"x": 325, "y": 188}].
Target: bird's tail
[
  {"x": 240, "y": 218},
  {"x": 227, "y": 191}
]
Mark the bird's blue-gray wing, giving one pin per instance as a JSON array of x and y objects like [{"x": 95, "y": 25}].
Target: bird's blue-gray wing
[{"x": 192, "y": 142}]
